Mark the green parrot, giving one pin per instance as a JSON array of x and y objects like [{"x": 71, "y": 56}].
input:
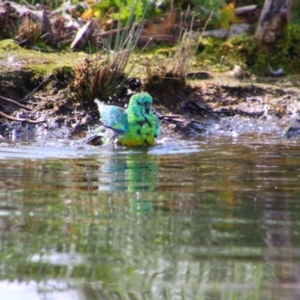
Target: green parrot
[{"x": 135, "y": 126}]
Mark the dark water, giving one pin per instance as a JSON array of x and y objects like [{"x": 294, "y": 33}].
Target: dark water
[{"x": 216, "y": 218}]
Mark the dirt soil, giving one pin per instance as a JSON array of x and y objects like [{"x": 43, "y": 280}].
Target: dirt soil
[{"x": 47, "y": 103}]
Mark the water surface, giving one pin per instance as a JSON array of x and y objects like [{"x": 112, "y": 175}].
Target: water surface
[{"x": 213, "y": 218}]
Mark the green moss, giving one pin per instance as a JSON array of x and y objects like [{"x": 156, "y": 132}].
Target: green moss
[
  {"x": 41, "y": 63},
  {"x": 64, "y": 72},
  {"x": 8, "y": 45},
  {"x": 219, "y": 55},
  {"x": 208, "y": 48},
  {"x": 245, "y": 51},
  {"x": 213, "y": 54}
]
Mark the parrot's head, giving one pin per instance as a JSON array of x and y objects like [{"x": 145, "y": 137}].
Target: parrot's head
[{"x": 141, "y": 104}]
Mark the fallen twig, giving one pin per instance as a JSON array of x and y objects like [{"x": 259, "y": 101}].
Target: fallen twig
[
  {"x": 21, "y": 119},
  {"x": 15, "y": 102},
  {"x": 168, "y": 116}
]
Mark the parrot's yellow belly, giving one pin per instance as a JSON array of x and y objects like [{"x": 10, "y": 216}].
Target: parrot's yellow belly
[{"x": 138, "y": 136}]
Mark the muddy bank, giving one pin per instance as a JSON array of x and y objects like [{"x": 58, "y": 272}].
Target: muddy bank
[{"x": 48, "y": 100}]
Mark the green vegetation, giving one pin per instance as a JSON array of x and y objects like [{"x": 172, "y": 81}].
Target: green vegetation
[
  {"x": 125, "y": 10},
  {"x": 12, "y": 56},
  {"x": 293, "y": 48},
  {"x": 245, "y": 51}
]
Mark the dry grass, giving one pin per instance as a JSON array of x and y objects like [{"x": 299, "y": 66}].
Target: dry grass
[
  {"x": 104, "y": 75},
  {"x": 100, "y": 77},
  {"x": 186, "y": 51},
  {"x": 170, "y": 77},
  {"x": 30, "y": 31},
  {"x": 183, "y": 58}
]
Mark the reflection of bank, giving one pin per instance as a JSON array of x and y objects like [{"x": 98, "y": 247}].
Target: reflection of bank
[
  {"x": 137, "y": 174},
  {"x": 281, "y": 254}
]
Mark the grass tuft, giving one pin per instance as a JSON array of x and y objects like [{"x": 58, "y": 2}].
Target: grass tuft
[
  {"x": 104, "y": 75},
  {"x": 170, "y": 77},
  {"x": 29, "y": 31}
]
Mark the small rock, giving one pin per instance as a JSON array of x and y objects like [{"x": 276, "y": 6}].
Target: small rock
[
  {"x": 217, "y": 33},
  {"x": 237, "y": 72},
  {"x": 292, "y": 132},
  {"x": 198, "y": 75},
  {"x": 236, "y": 29},
  {"x": 82, "y": 36}
]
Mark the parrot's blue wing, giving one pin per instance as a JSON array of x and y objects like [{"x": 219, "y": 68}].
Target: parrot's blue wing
[{"x": 112, "y": 116}]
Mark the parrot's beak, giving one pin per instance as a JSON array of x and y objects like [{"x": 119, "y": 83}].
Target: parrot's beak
[{"x": 147, "y": 107}]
